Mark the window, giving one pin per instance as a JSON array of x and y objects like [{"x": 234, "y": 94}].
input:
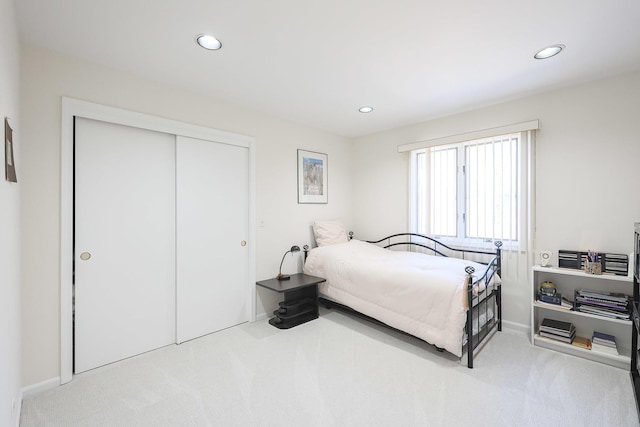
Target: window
[{"x": 469, "y": 190}]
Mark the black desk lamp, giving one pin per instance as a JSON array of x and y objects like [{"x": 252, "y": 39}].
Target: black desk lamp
[{"x": 281, "y": 276}]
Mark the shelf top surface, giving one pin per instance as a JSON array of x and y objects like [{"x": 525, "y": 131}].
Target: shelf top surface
[
  {"x": 560, "y": 344},
  {"x": 537, "y": 304},
  {"x": 580, "y": 273},
  {"x": 296, "y": 281}
]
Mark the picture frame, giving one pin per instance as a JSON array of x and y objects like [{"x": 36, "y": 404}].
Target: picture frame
[
  {"x": 9, "y": 161},
  {"x": 313, "y": 177}
]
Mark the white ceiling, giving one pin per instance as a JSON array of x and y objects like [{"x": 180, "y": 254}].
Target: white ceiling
[{"x": 316, "y": 62}]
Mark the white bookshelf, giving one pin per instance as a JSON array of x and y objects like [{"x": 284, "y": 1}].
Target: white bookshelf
[{"x": 567, "y": 281}]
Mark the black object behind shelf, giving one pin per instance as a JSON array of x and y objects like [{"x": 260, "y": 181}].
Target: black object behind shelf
[{"x": 611, "y": 263}]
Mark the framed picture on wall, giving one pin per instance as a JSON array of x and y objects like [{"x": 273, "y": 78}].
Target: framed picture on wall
[
  {"x": 9, "y": 163},
  {"x": 312, "y": 177}
]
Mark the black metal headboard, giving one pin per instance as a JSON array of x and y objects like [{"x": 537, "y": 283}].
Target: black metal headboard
[{"x": 494, "y": 265}]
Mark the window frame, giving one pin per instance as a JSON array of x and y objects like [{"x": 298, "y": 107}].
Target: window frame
[{"x": 461, "y": 239}]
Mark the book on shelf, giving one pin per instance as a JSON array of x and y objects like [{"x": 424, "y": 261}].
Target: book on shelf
[
  {"x": 604, "y": 349},
  {"x": 600, "y": 303},
  {"x": 551, "y": 299},
  {"x": 603, "y": 336},
  {"x": 582, "y": 342},
  {"x": 605, "y": 296},
  {"x": 604, "y": 343},
  {"x": 557, "y": 332},
  {"x": 557, "y": 327},
  {"x": 604, "y": 339},
  {"x": 567, "y": 339},
  {"x": 602, "y": 312},
  {"x": 605, "y": 304},
  {"x": 565, "y": 304}
]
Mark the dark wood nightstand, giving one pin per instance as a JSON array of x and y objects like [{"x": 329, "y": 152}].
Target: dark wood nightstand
[{"x": 300, "y": 303}]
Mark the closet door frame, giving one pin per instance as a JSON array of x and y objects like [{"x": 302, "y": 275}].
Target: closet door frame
[{"x": 77, "y": 108}]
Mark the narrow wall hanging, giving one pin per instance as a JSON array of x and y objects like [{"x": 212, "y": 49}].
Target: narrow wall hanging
[{"x": 9, "y": 164}]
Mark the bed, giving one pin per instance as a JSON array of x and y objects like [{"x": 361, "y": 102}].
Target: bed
[{"x": 415, "y": 284}]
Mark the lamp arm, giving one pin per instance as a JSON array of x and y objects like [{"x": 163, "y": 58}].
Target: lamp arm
[{"x": 281, "y": 262}]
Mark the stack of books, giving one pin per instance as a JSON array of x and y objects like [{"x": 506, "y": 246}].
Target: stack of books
[
  {"x": 611, "y": 305},
  {"x": 604, "y": 343},
  {"x": 557, "y": 330}
]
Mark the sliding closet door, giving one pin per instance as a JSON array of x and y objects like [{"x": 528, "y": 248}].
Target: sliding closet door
[
  {"x": 124, "y": 242},
  {"x": 212, "y": 229}
]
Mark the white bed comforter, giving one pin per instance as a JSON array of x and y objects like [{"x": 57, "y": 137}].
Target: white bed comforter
[{"x": 420, "y": 294}]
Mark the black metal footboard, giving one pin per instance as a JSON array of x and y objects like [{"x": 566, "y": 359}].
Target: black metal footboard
[{"x": 484, "y": 312}]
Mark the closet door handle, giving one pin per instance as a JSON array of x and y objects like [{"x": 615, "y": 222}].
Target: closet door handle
[
  {"x": 85, "y": 256},
  {"x": 243, "y": 243}
]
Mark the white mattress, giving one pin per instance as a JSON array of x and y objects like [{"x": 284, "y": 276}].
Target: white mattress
[{"x": 420, "y": 294}]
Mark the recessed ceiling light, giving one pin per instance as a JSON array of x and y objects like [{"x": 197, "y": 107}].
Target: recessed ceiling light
[
  {"x": 365, "y": 109},
  {"x": 207, "y": 41},
  {"x": 549, "y": 51}
]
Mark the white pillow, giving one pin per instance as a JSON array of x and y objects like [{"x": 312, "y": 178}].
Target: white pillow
[{"x": 329, "y": 232}]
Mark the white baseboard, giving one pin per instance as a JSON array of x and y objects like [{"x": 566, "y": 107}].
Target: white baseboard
[
  {"x": 516, "y": 326},
  {"x": 260, "y": 317},
  {"x": 40, "y": 387}
]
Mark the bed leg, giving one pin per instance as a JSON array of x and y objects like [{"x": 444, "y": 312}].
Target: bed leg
[
  {"x": 470, "y": 335},
  {"x": 469, "y": 270},
  {"x": 325, "y": 303},
  {"x": 499, "y": 301}
]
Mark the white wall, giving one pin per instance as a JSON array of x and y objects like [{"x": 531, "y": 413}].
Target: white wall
[
  {"x": 10, "y": 221},
  {"x": 46, "y": 76},
  {"x": 588, "y": 149}
]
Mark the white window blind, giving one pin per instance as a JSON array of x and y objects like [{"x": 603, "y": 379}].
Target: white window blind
[
  {"x": 443, "y": 190},
  {"x": 491, "y": 176}
]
